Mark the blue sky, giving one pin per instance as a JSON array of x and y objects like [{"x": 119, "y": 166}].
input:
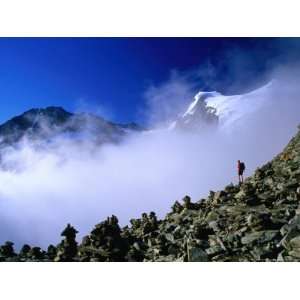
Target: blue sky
[{"x": 114, "y": 73}]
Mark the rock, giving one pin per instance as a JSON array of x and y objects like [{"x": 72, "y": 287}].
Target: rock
[
  {"x": 259, "y": 220},
  {"x": 177, "y": 232},
  {"x": 67, "y": 249},
  {"x": 240, "y": 195},
  {"x": 284, "y": 229},
  {"x": 107, "y": 242},
  {"x": 259, "y": 237},
  {"x": 188, "y": 204},
  {"x": 280, "y": 257},
  {"x": 252, "y": 201},
  {"x": 24, "y": 250},
  {"x": 212, "y": 216},
  {"x": 229, "y": 188},
  {"x": 295, "y": 242},
  {"x": 168, "y": 258},
  {"x": 51, "y": 252},
  {"x": 135, "y": 255},
  {"x": 265, "y": 196},
  {"x": 195, "y": 253},
  {"x": 221, "y": 243},
  {"x": 295, "y": 253},
  {"x": 7, "y": 250},
  {"x": 137, "y": 246},
  {"x": 173, "y": 249},
  {"x": 214, "y": 250},
  {"x": 211, "y": 195},
  {"x": 219, "y": 197},
  {"x": 202, "y": 231},
  {"x": 213, "y": 225},
  {"x": 280, "y": 186},
  {"x": 170, "y": 237},
  {"x": 292, "y": 183},
  {"x": 177, "y": 207},
  {"x": 36, "y": 253}
]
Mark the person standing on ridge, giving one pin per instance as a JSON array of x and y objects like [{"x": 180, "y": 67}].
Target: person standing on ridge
[{"x": 241, "y": 168}]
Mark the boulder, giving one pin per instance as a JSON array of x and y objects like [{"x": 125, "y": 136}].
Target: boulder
[
  {"x": 196, "y": 254},
  {"x": 259, "y": 237},
  {"x": 295, "y": 242},
  {"x": 295, "y": 253},
  {"x": 219, "y": 197}
]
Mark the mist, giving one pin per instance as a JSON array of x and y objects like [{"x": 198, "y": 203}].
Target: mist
[{"x": 45, "y": 188}]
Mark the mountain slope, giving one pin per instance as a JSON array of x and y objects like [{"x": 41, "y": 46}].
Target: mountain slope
[
  {"x": 257, "y": 221},
  {"x": 51, "y": 122}
]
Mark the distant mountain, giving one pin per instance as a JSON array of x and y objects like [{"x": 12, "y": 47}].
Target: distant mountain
[
  {"x": 45, "y": 124},
  {"x": 212, "y": 108}
]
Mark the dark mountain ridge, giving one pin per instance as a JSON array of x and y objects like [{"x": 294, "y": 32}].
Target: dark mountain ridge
[{"x": 47, "y": 123}]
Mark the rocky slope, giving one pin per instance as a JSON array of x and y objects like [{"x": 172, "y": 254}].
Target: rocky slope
[{"x": 257, "y": 221}]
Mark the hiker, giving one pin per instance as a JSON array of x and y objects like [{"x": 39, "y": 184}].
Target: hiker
[{"x": 241, "y": 168}]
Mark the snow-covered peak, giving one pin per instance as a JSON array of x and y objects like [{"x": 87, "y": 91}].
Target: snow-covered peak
[
  {"x": 207, "y": 107},
  {"x": 231, "y": 109},
  {"x": 201, "y": 96}
]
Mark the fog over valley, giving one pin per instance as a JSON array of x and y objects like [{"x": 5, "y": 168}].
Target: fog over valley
[{"x": 189, "y": 150}]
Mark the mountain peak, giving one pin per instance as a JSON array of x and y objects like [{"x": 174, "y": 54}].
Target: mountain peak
[
  {"x": 50, "y": 111},
  {"x": 44, "y": 124},
  {"x": 208, "y": 108}
]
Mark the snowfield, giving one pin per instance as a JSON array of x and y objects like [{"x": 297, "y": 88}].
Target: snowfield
[{"x": 230, "y": 110}]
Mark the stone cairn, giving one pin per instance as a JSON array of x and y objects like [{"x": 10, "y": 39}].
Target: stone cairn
[
  {"x": 105, "y": 242},
  {"x": 67, "y": 249},
  {"x": 7, "y": 251}
]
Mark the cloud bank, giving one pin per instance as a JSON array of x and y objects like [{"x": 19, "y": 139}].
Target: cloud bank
[{"x": 45, "y": 188}]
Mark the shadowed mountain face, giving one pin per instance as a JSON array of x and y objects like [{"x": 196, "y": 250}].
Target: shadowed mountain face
[
  {"x": 51, "y": 122},
  {"x": 198, "y": 115}
]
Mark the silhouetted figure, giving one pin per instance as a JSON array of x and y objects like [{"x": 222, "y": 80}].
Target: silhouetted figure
[{"x": 241, "y": 168}]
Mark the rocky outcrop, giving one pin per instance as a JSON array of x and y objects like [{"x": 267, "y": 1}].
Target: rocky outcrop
[{"x": 258, "y": 220}]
